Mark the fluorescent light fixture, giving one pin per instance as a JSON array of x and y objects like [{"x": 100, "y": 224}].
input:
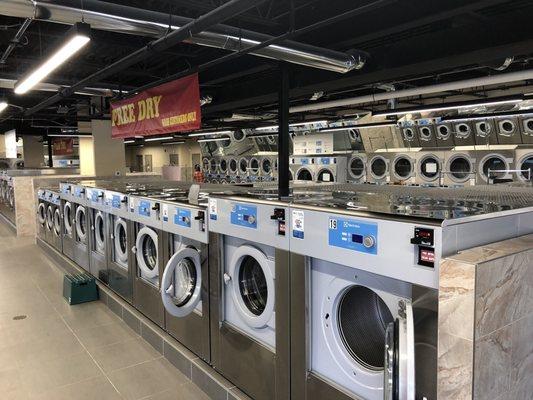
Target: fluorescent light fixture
[
  {"x": 361, "y": 126},
  {"x": 213, "y": 140},
  {"x": 129, "y": 141},
  {"x": 77, "y": 39},
  {"x": 3, "y": 106},
  {"x": 445, "y": 107},
  {"x": 209, "y": 133},
  {"x": 481, "y": 117},
  {"x": 172, "y": 143},
  {"x": 66, "y": 135},
  {"x": 156, "y": 139},
  {"x": 266, "y": 128}
]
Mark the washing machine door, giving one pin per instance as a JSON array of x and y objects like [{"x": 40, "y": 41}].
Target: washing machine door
[
  {"x": 182, "y": 282},
  {"x": 41, "y": 213},
  {"x": 252, "y": 286},
  {"x": 120, "y": 241},
  {"x": 146, "y": 252},
  {"x": 81, "y": 228},
  {"x": 399, "y": 377},
  {"x": 57, "y": 222},
  {"x": 99, "y": 231},
  {"x": 50, "y": 217},
  {"x": 67, "y": 220}
]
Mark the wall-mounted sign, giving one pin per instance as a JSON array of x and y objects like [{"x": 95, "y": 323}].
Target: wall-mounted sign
[
  {"x": 63, "y": 147},
  {"x": 171, "y": 107}
]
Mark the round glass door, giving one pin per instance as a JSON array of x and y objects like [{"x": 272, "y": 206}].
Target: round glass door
[
  {"x": 99, "y": 231},
  {"x": 81, "y": 224},
  {"x": 254, "y": 166},
  {"x": 252, "y": 285},
  {"x": 182, "y": 282},
  {"x": 357, "y": 167},
  {"x": 460, "y": 168},
  {"x": 120, "y": 239},
  {"x": 67, "y": 217},
  {"x": 403, "y": 167},
  {"x": 57, "y": 222},
  {"x": 50, "y": 217},
  {"x": 494, "y": 163},
  {"x": 430, "y": 167},
  {"x": 41, "y": 213},
  {"x": 267, "y": 166},
  {"x": 378, "y": 167},
  {"x": 526, "y": 168},
  {"x": 304, "y": 175},
  {"x": 146, "y": 252}
]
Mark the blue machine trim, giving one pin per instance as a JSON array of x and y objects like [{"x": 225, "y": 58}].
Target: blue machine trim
[
  {"x": 183, "y": 217},
  {"x": 349, "y": 234},
  {"x": 144, "y": 208},
  {"x": 115, "y": 201},
  {"x": 244, "y": 215}
]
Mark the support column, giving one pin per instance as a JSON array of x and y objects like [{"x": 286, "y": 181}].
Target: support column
[
  {"x": 100, "y": 155},
  {"x": 283, "y": 133},
  {"x": 33, "y": 151}
]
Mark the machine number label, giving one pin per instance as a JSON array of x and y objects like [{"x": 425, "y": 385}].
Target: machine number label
[
  {"x": 183, "y": 217},
  {"x": 213, "y": 209},
  {"x": 164, "y": 212},
  {"x": 298, "y": 224},
  {"x": 244, "y": 215},
  {"x": 353, "y": 235},
  {"x": 144, "y": 208}
]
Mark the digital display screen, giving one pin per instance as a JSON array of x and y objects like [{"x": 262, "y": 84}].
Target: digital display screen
[
  {"x": 426, "y": 257},
  {"x": 357, "y": 238}
]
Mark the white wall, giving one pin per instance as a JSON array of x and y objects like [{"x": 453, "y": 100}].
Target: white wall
[{"x": 161, "y": 154}]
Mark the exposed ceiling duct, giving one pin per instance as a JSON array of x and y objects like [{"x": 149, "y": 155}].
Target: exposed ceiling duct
[{"x": 123, "y": 19}]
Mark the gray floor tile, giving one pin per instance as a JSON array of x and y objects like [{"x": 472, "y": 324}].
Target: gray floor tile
[
  {"x": 124, "y": 354},
  {"x": 105, "y": 335},
  {"x": 92, "y": 389}
]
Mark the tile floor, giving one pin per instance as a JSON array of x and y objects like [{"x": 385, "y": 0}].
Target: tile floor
[{"x": 50, "y": 350}]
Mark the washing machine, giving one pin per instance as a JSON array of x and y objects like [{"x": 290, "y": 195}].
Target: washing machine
[
  {"x": 463, "y": 132},
  {"x": 357, "y": 168},
  {"x": 303, "y": 168},
  {"x": 249, "y": 276},
  {"x": 268, "y": 168},
  {"x": 524, "y": 164},
  {"x": 460, "y": 168},
  {"x": 185, "y": 280},
  {"x": 254, "y": 169},
  {"x": 526, "y": 126},
  {"x": 508, "y": 130},
  {"x": 147, "y": 257},
  {"x": 80, "y": 225},
  {"x": 444, "y": 134},
  {"x": 409, "y": 134},
  {"x": 68, "y": 206},
  {"x": 485, "y": 130},
  {"x": 53, "y": 219},
  {"x": 429, "y": 167},
  {"x": 98, "y": 217},
  {"x": 378, "y": 167},
  {"x": 42, "y": 205},
  {"x": 426, "y": 133},
  {"x": 403, "y": 167},
  {"x": 331, "y": 169},
  {"x": 364, "y": 311},
  {"x": 499, "y": 163}
]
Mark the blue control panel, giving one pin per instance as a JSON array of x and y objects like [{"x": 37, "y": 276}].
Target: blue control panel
[
  {"x": 244, "y": 215},
  {"x": 183, "y": 217},
  {"x": 115, "y": 201},
  {"x": 353, "y": 235},
  {"x": 144, "y": 208},
  {"x": 77, "y": 191},
  {"x": 325, "y": 161},
  {"x": 94, "y": 196},
  {"x": 304, "y": 161}
]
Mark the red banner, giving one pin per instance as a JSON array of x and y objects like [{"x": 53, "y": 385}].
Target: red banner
[
  {"x": 171, "y": 107},
  {"x": 63, "y": 147}
]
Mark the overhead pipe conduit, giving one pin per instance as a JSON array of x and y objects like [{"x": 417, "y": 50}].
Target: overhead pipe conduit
[{"x": 129, "y": 20}]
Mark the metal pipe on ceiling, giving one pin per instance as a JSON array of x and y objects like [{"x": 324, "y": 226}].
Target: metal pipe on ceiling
[
  {"x": 124, "y": 19},
  {"x": 441, "y": 87},
  {"x": 222, "y": 13},
  {"x": 16, "y": 40}
]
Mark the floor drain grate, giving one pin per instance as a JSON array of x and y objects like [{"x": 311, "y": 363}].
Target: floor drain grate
[{"x": 19, "y": 317}]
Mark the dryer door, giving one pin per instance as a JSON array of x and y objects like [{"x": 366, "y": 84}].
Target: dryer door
[
  {"x": 182, "y": 282},
  {"x": 57, "y": 222},
  {"x": 41, "y": 213},
  {"x": 399, "y": 374}
]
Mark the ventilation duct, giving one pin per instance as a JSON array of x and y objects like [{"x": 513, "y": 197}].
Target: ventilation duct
[{"x": 129, "y": 20}]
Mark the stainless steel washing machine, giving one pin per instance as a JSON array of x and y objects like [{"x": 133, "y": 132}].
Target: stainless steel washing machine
[
  {"x": 526, "y": 126},
  {"x": 508, "y": 130},
  {"x": 444, "y": 134},
  {"x": 303, "y": 168},
  {"x": 463, "y": 132},
  {"x": 409, "y": 134},
  {"x": 357, "y": 171},
  {"x": 147, "y": 255},
  {"x": 53, "y": 225},
  {"x": 249, "y": 278},
  {"x": 68, "y": 206},
  {"x": 460, "y": 168},
  {"x": 331, "y": 169},
  {"x": 378, "y": 167},
  {"x": 42, "y": 205},
  {"x": 486, "y": 133},
  {"x": 426, "y": 133},
  {"x": 185, "y": 280},
  {"x": 98, "y": 217},
  {"x": 403, "y": 167},
  {"x": 80, "y": 225}
]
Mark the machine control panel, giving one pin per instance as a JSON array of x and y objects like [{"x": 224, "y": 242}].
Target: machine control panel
[
  {"x": 182, "y": 217},
  {"x": 244, "y": 215},
  {"x": 423, "y": 236},
  {"x": 424, "y": 239},
  {"x": 353, "y": 235},
  {"x": 144, "y": 208}
]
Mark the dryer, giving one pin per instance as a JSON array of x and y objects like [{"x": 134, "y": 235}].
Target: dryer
[
  {"x": 526, "y": 126},
  {"x": 444, "y": 134},
  {"x": 460, "y": 168},
  {"x": 185, "y": 280},
  {"x": 249, "y": 278},
  {"x": 147, "y": 255},
  {"x": 403, "y": 168},
  {"x": 357, "y": 168},
  {"x": 486, "y": 133},
  {"x": 331, "y": 169},
  {"x": 463, "y": 132},
  {"x": 268, "y": 167},
  {"x": 426, "y": 133},
  {"x": 498, "y": 163},
  {"x": 98, "y": 217},
  {"x": 378, "y": 167},
  {"x": 429, "y": 167},
  {"x": 303, "y": 168},
  {"x": 254, "y": 169},
  {"x": 409, "y": 134},
  {"x": 42, "y": 205},
  {"x": 508, "y": 130},
  {"x": 244, "y": 165},
  {"x": 524, "y": 164}
]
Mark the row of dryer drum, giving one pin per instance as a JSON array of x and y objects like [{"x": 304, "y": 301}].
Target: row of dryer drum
[
  {"x": 240, "y": 169},
  {"x": 509, "y": 130},
  {"x": 422, "y": 167}
]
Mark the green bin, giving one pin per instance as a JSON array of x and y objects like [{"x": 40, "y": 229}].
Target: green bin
[{"x": 79, "y": 288}]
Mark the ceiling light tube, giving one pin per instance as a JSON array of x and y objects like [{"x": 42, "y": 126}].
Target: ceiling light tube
[
  {"x": 129, "y": 141},
  {"x": 156, "y": 139},
  {"x": 3, "y": 106},
  {"x": 172, "y": 143},
  {"x": 209, "y": 133},
  {"x": 361, "y": 126},
  {"x": 266, "y": 128},
  {"x": 212, "y": 140},
  {"x": 446, "y": 107},
  {"x": 77, "y": 38},
  {"x": 66, "y": 135}
]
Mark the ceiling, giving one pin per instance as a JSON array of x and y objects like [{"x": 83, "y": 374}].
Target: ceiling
[{"x": 409, "y": 43}]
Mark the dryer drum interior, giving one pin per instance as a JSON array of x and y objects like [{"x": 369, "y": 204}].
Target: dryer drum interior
[
  {"x": 254, "y": 166},
  {"x": 267, "y": 166},
  {"x": 444, "y": 132},
  {"x": 378, "y": 167},
  {"x": 223, "y": 165},
  {"x": 233, "y": 165},
  {"x": 325, "y": 175},
  {"x": 243, "y": 166},
  {"x": 494, "y": 163},
  {"x": 525, "y": 166},
  {"x": 253, "y": 285},
  {"x": 362, "y": 319},
  {"x": 430, "y": 167},
  {"x": 460, "y": 167},
  {"x": 403, "y": 167},
  {"x": 357, "y": 167},
  {"x": 184, "y": 282},
  {"x": 304, "y": 175}
]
